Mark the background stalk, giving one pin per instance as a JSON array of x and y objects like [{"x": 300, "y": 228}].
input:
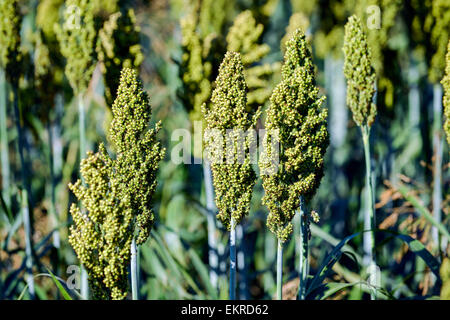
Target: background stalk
[
  {"x": 28, "y": 244},
  {"x": 82, "y": 133},
  {"x": 280, "y": 271},
  {"x": 233, "y": 260},
  {"x": 303, "y": 253},
  {"x": 4, "y": 141},
  {"x": 437, "y": 163},
  {"x": 25, "y": 200},
  {"x": 134, "y": 271},
  {"x": 369, "y": 213},
  {"x": 211, "y": 224}
]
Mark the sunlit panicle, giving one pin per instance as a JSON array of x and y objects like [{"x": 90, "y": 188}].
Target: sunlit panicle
[
  {"x": 296, "y": 111},
  {"x": 77, "y": 37},
  {"x": 233, "y": 179},
  {"x": 359, "y": 73}
]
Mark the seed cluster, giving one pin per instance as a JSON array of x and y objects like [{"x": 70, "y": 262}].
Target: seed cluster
[
  {"x": 196, "y": 68},
  {"x": 233, "y": 177},
  {"x": 446, "y": 100},
  {"x": 117, "y": 196},
  {"x": 138, "y": 150},
  {"x": 243, "y": 37},
  {"x": 203, "y": 49},
  {"x": 296, "y": 113},
  {"x": 118, "y": 47},
  {"x": 10, "y": 21},
  {"x": 359, "y": 73},
  {"x": 77, "y": 38},
  {"x": 102, "y": 237}
]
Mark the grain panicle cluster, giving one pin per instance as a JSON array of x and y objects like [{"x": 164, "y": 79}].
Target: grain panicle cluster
[
  {"x": 296, "y": 114},
  {"x": 77, "y": 37},
  {"x": 118, "y": 47},
  {"x": 117, "y": 193},
  {"x": 359, "y": 73},
  {"x": 233, "y": 177}
]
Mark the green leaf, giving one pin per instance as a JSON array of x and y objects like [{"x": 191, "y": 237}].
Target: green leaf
[
  {"x": 422, "y": 210},
  {"x": 61, "y": 289}
]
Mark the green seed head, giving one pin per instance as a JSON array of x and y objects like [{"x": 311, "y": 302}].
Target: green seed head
[
  {"x": 118, "y": 47},
  {"x": 47, "y": 16},
  {"x": 101, "y": 236},
  {"x": 359, "y": 73},
  {"x": 446, "y": 101},
  {"x": 244, "y": 37},
  {"x": 10, "y": 22},
  {"x": 298, "y": 123},
  {"x": 117, "y": 193},
  {"x": 77, "y": 42},
  {"x": 233, "y": 178},
  {"x": 195, "y": 68},
  {"x": 43, "y": 71},
  {"x": 138, "y": 150}
]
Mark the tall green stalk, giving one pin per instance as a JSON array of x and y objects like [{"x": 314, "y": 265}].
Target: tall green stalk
[
  {"x": 213, "y": 257},
  {"x": 227, "y": 120},
  {"x": 232, "y": 260},
  {"x": 279, "y": 270},
  {"x": 82, "y": 139},
  {"x": 361, "y": 81},
  {"x": 303, "y": 250},
  {"x": 437, "y": 164},
  {"x": 134, "y": 271},
  {"x": 28, "y": 244},
  {"x": 25, "y": 200},
  {"x": 296, "y": 122},
  {"x": 4, "y": 140},
  {"x": 369, "y": 213}
]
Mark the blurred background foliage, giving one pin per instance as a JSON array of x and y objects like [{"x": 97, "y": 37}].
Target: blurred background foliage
[{"x": 178, "y": 46}]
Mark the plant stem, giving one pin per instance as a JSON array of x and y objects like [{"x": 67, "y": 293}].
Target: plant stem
[
  {"x": 233, "y": 260},
  {"x": 241, "y": 264},
  {"x": 303, "y": 254},
  {"x": 211, "y": 221},
  {"x": 82, "y": 137},
  {"x": 4, "y": 140},
  {"x": 134, "y": 271},
  {"x": 28, "y": 246},
  {"x": 437, "y": 167},
  {"x": 369, "y": 213},
  {"x": 25, "y": 200},
  {"x": 279, "y": 270},
  {"x": 53, "y": 213}
]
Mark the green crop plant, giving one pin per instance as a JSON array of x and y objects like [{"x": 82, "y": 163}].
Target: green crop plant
[
  {"x": 360, "y": 91},
  {"x": 118, "y": 195},
  {"x": 202, "y": 50},
  {"x": 10, "y": 62},
  {"x": 76, "y": 39},
  {"x": 233, "y": 175},
  {"x": 296, "y": 111}
]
